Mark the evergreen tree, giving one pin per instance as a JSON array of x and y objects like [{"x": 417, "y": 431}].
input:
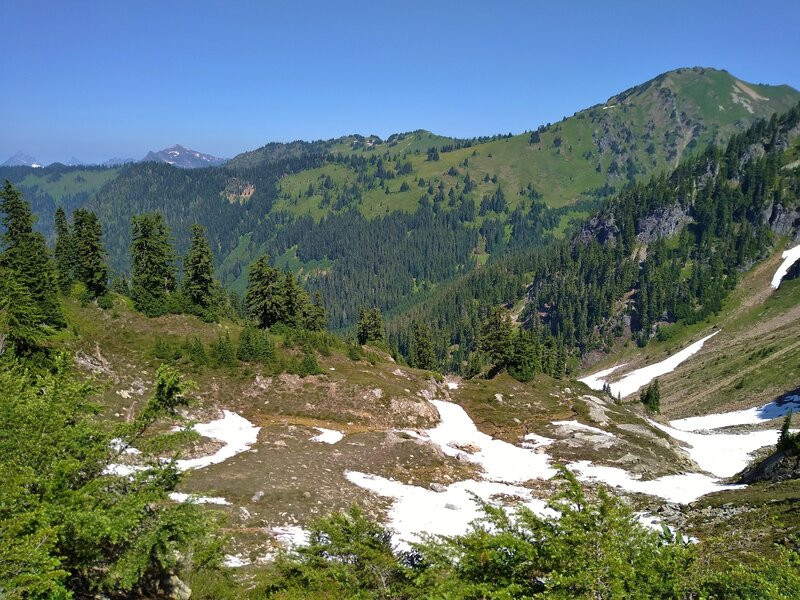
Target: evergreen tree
[
  {"x": 651, "y": 397},
  {"x": 221, "y": 353},
  {"x": 370, "y": 326},
  {"x": 89, "y": 253},
  {"x": 198, "y": 283},
  {"x": 525, "y": 360},
  {"x": 153, "y": 264},
  {"x": 264, "y": 296},
  {"x": 422, "y": 354},
  {"x": 495, "y": 339},
  {"x": 25, "y": 254},
  {"x": 316, "y": 315},
  {"x": 20, "y": 320},
  {"x": 64, "y": 252}
]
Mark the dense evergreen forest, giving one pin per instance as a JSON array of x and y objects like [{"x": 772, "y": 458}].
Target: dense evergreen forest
[{"x": 658, "y": 252}]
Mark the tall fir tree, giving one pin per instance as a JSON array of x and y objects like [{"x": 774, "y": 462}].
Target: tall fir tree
[
  {"x": 64, "y": 251},
  {"x": 25, "y": 254},
  {"x": 422, "y": 353},
  {"x": 370, "y": 326},
  {"x": 316, "y": 315},
  {"x": 20, "y": 320},
  {"x": 264, "y": 296},
  {"x": 89, "y": 252},
  {"x": 496, "y": 339},
  {"x": 152, "y": 264},
  {"x": 198, "y": 271}
]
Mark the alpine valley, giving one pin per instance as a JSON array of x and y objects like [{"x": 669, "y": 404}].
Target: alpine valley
[{"x": 305, "y": 371}]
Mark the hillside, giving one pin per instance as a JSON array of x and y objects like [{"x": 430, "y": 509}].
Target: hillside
[
  {"x": 680, "y": 280},
  {"x": 325, "y": 209}
]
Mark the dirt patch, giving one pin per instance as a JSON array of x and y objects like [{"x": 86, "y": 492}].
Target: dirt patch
[{"x": 750, "y": 91}]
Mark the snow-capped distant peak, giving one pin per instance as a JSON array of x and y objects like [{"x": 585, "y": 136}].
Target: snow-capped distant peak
[
  {"x": 185, "y": 158},
  {"x": 20, "y": 159}
]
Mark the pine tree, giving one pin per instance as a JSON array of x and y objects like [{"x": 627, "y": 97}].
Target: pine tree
[
  {"x": 525, "y": 363},
  {"x": 316, "y": 315},
  {"x": 370, "y": 326},
  {"x": 651, "y": 397},
  {"x": 264, "y": 297},
  {"x": 153, "y": 264},
  {"x": 422, "y": 354},
  {"x": 64, "y": 251},
  {"x": 25, "y": 254},
  {"x": 495, "y": 339},
  {"x": 20, "y": 319},
  {"x": 89, "y": 253},
  {"x": 221, "y": 353},
  {"x": 198, "y": 271}
]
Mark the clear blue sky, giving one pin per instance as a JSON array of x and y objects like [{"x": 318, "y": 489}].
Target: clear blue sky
[{"x": 112, "y": 78}]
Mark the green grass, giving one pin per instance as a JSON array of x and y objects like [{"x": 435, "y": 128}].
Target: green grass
[{"x": 70, "y": 183}]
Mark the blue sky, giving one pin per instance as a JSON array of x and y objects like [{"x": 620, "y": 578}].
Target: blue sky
[{"x": 102, "y": 79}]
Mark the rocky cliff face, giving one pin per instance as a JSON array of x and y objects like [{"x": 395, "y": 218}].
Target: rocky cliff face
[{"x": 779, "y": 466}]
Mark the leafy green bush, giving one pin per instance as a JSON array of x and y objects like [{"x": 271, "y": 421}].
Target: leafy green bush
[
  {"x": 70, "y": 526},
  {"x": 105, "y": 302}
]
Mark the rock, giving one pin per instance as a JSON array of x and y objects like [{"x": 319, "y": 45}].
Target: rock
[
  {"x": 437, "y": 487},
  {"x": 461, "y": 457},
  {"x": 257, "y": 496},
  {"x": 177, "y": 589},
  {"x": 663, "y": 222},
  {"x": 450, "y": 506}
]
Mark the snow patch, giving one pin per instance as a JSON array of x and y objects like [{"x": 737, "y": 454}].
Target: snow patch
[
  {"x": 597, "y": 380},
  {"x": 748, "y": 416},
  {"x": 634, "y": 380},
  {"x": 417, "y": 510},
  {"x": 683, "y": 488},
  {"x": 721, "y": 454},
  {"x": 327, "y": 436},
  {"x": 532, "y": 440},
  {"x": 236, "y": 432},
  {"x": 577, "y": 425},
  {"x": 195, "y": 499},
  {"x": 291, "y": 535},
  {"x": 500, "y": 460},
  {"x": 234, "y": 561},
  {"x": 789, "y": 258}
]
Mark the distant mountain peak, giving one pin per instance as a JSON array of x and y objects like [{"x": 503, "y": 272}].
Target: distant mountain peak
[
  {"x": 185, "y": 158},
  {"x": 20, "y": 159}
]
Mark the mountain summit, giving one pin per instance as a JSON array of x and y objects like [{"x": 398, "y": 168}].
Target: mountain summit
[
  {"x": 20, "y": 159},
  {"x": 185, "y": 158}
]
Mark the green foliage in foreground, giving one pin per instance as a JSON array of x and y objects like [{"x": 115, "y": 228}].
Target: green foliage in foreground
[
  {"x": 69, "y": 527},
  {"x": 594, "y": 548}
]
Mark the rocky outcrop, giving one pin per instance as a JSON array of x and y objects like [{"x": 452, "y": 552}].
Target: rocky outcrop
[
  {"x": 662, "y": 222},
  {"x": 779, "y": 466}
]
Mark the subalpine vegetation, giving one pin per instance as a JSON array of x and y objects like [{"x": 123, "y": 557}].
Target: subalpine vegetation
[{"x": 73, "y": 526}]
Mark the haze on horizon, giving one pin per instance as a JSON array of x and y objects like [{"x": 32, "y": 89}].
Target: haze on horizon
[{"x": 97, "y": 80}]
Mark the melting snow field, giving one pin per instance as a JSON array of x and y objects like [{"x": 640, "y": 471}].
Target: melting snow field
[
  {"x": 501, "y": 461},
  {"x": 416, "y": 510},
  {"x": 749, "y": 416},
  {"x": 236, "y": 432},
  {"x": 789, "y": 258},
  {"x": 327, "y": 436},
  {"x": 639, "y": 378}
]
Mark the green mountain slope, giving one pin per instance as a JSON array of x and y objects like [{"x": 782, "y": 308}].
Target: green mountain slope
[{"x": 387, "y": 223}]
